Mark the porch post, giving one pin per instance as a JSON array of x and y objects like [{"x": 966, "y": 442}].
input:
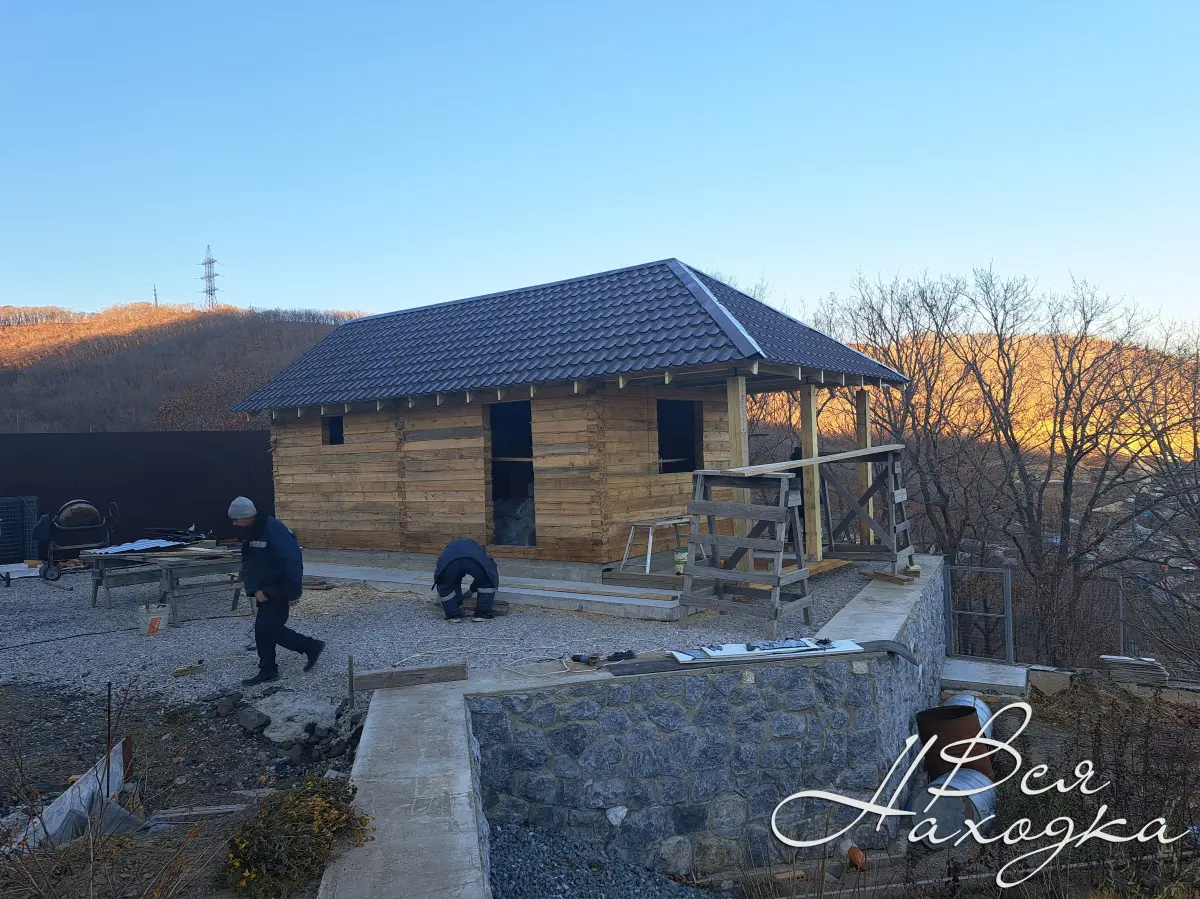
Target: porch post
[
  {"x": 812, "y": 478},
  {"x": 739, "y": 452},
  {"x": 862, "y": 430}
]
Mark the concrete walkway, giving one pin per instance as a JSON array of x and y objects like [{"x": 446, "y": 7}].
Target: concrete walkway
[{"x": 413, "y": 773}]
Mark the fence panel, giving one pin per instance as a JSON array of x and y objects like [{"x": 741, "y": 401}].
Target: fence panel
[{"x": 979, "y": 617}]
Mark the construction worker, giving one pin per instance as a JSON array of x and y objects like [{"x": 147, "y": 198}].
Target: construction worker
[
  {"x": 273, "y": 573},
  {"x": 461, "y": 558}
]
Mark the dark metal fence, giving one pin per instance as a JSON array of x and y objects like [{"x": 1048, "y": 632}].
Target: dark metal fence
[
  {"x": 979, "y": 614},
  {"x": 159, "y": 479},
  {"x": 18, "y": 515}
]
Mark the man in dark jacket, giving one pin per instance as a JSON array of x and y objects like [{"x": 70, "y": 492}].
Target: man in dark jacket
[
  {"x": 273, "y": 573},
  {"x": 463, "y": 557}
]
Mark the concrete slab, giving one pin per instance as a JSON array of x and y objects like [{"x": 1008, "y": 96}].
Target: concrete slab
[
  {"x": 878, "y": 612},
  {"x": 571, "y": 596},
  {"x": 985, "y": 677},
  {"x": 415, "y": 782}
]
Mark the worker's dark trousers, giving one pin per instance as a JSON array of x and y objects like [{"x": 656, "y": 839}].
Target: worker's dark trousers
[
  {"x": 270, "y": 630},
  {"x": 449, "y": 586}
]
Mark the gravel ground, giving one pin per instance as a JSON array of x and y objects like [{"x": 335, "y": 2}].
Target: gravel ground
[
  {"x": 53, "y": 636},
  {"x": 538, "y": 864}
]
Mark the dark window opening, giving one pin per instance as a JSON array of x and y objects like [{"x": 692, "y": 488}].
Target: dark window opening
[
  {"x": 333, "y": 431},
  {"x": 512, "y": 474},
  {"x": 680, "y": 435}
]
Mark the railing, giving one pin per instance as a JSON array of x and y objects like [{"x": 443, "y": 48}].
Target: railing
[
  {"x": 880, "y": 535},
  {"x": 728, "y": 579},
  {"x": 976, "y": 630}
]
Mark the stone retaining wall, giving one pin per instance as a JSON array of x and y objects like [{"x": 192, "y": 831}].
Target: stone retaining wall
[{"x": 683, "y": 771}]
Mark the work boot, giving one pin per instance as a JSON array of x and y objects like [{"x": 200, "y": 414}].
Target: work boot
[
  {"x": 454, "y": 617},
  {"x": 314, "y": 654},
  {"x": 261, "y": 678},
  {"x": 483, "y": 616}
]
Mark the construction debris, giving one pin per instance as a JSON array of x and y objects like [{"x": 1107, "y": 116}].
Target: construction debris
[{"x": 1126, "y": 670}]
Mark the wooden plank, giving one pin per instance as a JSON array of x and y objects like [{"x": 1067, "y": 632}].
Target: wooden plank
[
  {"x": 389, "y": 678},
  {"x": 752, "y": 470},
  {"x": 415, "y": 436},
  {"x": 810, "y": 475},
  {"x": 737, "y": 510},
  {"x": 739, "y": 445},
  {"x": 787, "y": 576},
  {"x": 718, "y": 540},
  {"x": 862, "y": 440},
  {"x": 891, "y": 578}
]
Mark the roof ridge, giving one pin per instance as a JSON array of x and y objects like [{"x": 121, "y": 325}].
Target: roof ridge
[
  {"x": 725, "y": 320},
  {"x": 793, "y": 318},
  {"x": 500, "y": 293}
]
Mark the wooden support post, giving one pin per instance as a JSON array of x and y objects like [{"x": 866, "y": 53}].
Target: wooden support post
[
  {"x": 862, "y": 433},
  {"x": 810, "y": 449},
  {"x": 739, "y": 452}
]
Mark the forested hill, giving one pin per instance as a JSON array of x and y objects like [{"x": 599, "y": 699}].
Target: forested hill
[{"x": 141, "y": 367}]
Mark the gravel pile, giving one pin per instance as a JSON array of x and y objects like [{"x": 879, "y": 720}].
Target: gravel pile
[
  {"x": 52, "y": 635},
  {"x": 538, "y": 864}
]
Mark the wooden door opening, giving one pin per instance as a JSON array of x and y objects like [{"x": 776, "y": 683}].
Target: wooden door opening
[{"x": 512, "y": 474}]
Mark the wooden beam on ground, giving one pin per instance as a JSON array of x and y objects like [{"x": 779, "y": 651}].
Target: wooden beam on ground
[
  {"x": 810, "y": 449},
  {"x": 891, "y": 578},
  {"x": 862, "y": 440},
  {"x": 739, "y": 448},
  {"x": 389, "y": 678}
]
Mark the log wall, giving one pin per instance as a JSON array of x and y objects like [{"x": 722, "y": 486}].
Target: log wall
[
  {"x": 634, "y": 488},
  {"x": 414, "y": 479},
  {"x": 340, "y": 496}
]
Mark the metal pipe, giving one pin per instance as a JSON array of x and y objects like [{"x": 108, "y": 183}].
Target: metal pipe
[{"x": 1010, "y": 652}]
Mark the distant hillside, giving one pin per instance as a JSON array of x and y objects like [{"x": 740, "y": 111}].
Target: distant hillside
[{"x": 140, "y": 367}]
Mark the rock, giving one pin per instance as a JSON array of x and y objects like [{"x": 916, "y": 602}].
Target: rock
[
  {"x": 292, "y": 713},
  {"x": 296, "y": 754},
  {"x": 333, "y": 774},
  {"x": 225, "y": 706},
  {"x": 336, "y": 749},
  {"x": 320, "y": 732},
  {"x": 271, "y": 691},
  {"x": 675, "y": 856},
  {"x": 214, "y": 696},
  {"x": 253, "y": 721},
  {"x": 310, "y": 729},
  {"x": 616, "y": 815}
]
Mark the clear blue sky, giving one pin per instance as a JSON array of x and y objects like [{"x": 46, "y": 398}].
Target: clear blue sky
[{"x": 376, "y": 156}]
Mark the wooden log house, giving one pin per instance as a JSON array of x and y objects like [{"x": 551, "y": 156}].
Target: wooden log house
[{"x": 541, "y": 422}]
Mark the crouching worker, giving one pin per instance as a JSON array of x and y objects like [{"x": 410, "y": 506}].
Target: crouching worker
[
  {"x": 463, "y": 557},
  {"x": 273, "y": 573}
]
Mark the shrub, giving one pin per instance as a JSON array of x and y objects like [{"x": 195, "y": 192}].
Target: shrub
[{"x": 290, "y": 839}]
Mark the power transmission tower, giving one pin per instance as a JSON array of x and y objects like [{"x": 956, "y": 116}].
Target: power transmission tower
[
  {"x": 210, "y": 279},
  {"x": 155, "y": 296}
]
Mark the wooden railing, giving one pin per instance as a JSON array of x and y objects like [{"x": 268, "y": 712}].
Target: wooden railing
[{"x": 783, "y": 518}]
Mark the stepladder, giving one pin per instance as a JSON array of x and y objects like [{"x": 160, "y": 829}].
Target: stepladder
[{"x": 743, "y": 544}]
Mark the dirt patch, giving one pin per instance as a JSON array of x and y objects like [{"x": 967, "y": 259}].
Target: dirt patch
[{"x": 184, "y": 756}]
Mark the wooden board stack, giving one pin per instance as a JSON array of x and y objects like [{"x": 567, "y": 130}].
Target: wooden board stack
[{"x": 1126, "y": 670}]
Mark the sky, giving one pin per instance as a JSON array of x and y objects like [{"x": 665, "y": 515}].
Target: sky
[{"x": 376, "y": 156}]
